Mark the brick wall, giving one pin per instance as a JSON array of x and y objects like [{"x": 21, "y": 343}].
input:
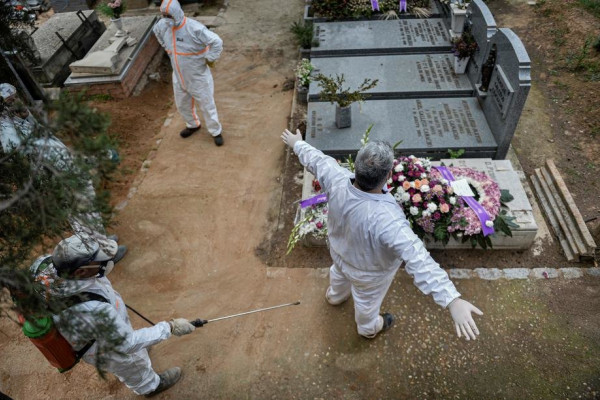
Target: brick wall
[{"x": 119, "y": 90}]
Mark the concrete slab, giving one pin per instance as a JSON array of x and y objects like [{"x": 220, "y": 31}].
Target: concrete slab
[
  {"x": 400, "y": 76},
  {"x": 401, "y": 36},
  {"x": 426, "y": 127},
  {"x": 520, "y": 208},
  {"x": 137, "y": 27}
]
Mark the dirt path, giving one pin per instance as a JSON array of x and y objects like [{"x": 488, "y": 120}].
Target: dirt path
[{"x": 193, "y": 227}]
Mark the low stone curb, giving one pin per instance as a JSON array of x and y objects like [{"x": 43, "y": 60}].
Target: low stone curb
[
  {"x": 523, "y": 273},
  {"x": 488, "y": 274}
]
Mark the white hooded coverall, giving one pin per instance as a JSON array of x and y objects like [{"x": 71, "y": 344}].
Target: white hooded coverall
[
  {"x": 189, "y": 45},
  {"x": 130, "y": 361},
  {"x": 369, "y": 237}
]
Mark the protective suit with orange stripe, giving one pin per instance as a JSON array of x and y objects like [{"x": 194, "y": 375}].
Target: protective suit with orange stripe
[{"x": 190, "y": 46}]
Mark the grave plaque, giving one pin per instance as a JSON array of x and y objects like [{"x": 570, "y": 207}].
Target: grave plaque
[
  {"x": 509, "y": 86},
  {"x": 401, "y": 36},
  {"x": 400, "y": 76},
  {"x": 426, "y": 127},
  {"x": 483, "y": 26}
]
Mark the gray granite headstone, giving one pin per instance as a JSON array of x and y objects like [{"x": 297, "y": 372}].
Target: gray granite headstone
[
  {"x": 483, "y": 26},
  {"x": 426, "y": 127},
  {"x": 508, "y": 89},
  {"x": 401, "y": 36},
  {"x": 400, "y": 76}
]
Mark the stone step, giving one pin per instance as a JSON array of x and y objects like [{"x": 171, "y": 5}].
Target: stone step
[
  {"x": 506, "y": 177},
  {"x": 426, "y": 127},
  {"x": 573, "y": 235},
  {"x": 401, "y": 36},
  {"x": 400, "y": 76}
]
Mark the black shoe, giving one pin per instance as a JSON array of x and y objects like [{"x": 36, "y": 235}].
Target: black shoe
[
  {"x": 218, "y": 140},
  {"x": 388, "y": 321},
  {"x": 167, "y": 379},
  {"x": 120, "y": 254},
  {"x": 187, "y": 132}
]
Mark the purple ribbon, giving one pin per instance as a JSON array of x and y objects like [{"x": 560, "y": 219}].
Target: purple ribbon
[
  {"x": 478, "y": 208},
  {"x": 402, "y": 5},
  {"x": 320, "y": 198},
  {"x": 374, "y": 5}
]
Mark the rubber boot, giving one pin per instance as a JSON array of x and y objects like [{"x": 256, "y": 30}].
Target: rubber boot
[
  {"x": 122, "y": 250},
  {"x": 167, "y": 379}
]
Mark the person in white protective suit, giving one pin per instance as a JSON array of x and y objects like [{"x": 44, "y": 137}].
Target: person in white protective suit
[
  {"x": 369, "y": 237},
  {"x": 193, "y": 50},
  {"x": 17, "y": 126},
  {"x": 80, "y": 267}
]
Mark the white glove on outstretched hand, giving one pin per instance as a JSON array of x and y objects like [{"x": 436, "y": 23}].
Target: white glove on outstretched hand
[
  {"x": 463, "y": 321},
  {"x": 181, "y": 326},
  {"x": 290, "y": 139}
]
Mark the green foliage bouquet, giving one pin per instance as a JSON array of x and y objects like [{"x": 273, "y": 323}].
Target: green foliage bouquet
[{"x": 113, "y": 9}]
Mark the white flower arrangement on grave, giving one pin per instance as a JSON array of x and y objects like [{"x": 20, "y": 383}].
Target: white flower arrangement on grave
[
  {"x": 429, "y": 202},
  {"x": 303, "y": 71}
]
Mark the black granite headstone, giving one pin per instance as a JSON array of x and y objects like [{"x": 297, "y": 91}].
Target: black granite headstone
[
  {"x": 509, "y": 86},
  {"x": 483, "y": 26},
  {"x": 426, "y": 127}
]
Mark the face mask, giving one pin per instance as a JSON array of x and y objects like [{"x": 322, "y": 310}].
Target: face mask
[{"x": 168, "y": 16}]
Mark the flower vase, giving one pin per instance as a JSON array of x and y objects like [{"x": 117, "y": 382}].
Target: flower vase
[
  {"x": 458, "y": 19},
  {"x": 302, "y": 94},
  {"x": 343, "y": 116},
  {"x": 460, "y": 65},
  {"x": 119, "y": 25}
]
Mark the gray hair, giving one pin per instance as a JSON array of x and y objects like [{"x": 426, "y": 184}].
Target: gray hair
[{"x": 373, "y": 163}]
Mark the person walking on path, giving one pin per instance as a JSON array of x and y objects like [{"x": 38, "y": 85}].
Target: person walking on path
[
  {"x": 369, "y": 237},
  {"x": 193, "y": 50},
  {"x": 79, "y": 267}
]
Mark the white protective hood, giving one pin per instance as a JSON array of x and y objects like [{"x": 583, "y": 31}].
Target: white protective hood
[{"x": 173, "y": 8}]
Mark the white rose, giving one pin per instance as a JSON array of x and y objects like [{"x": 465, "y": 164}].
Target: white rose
[
  {"x": 423, "y": 175},
  {"x": 400, "y": 189},
  {"x": 444, "y": 181},
  {"x": 405, "y": 197},
  {"x": 489, "y": 224},
  {"x": 453, "y": 200},
  {"x": 426, "y": 213},
  {"x": 390, "y": 181},
  {"x": 401, "y": 178},
  {"x": 398, "y": 168},
  {"x": 414, "y": 210},
  {"x": 425, "y": 188},
  {"x": 412, "y": 184},
  {"x": 432, "y": 207}
]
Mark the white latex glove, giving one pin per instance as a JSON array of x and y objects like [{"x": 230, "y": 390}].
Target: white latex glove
[
  {"x": 181, "y": 326},
  {"x": 463, "y": 321},
  {"x": 290, "y": 139}
]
